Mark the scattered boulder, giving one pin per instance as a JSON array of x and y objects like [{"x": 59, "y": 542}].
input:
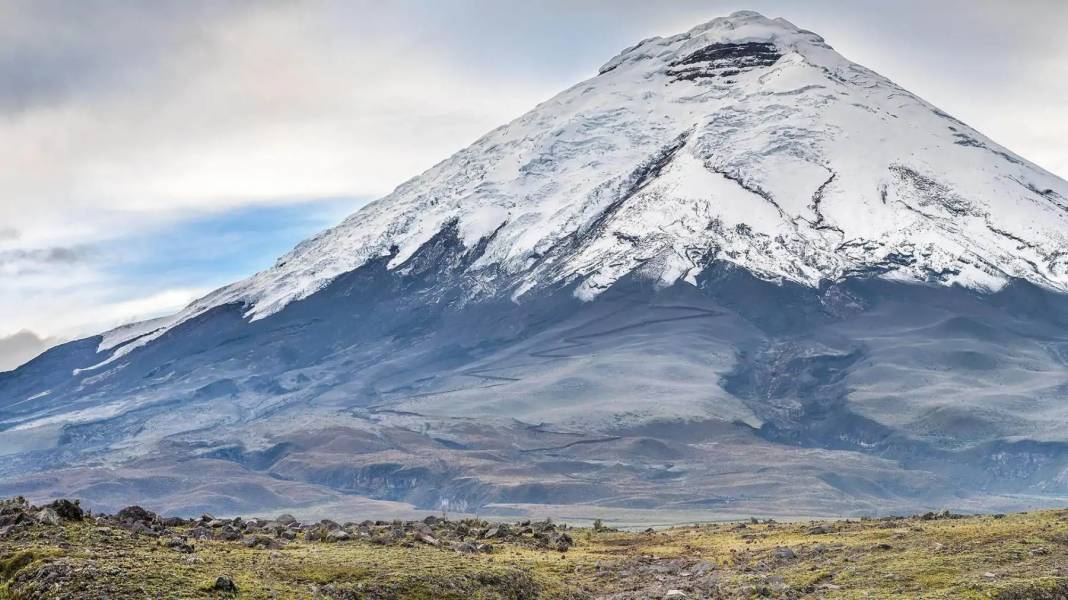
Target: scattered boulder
[
  {"x": 229, "y": 533},
  {"x": 560, "y": 542},
  {"x": 225, "y": 584},
  {"x": 48, "y": 516},
  {"x": 465, "y": 548},
  {"x": 51, "y": 580},
  {"x": 179, "y": 545},
  {"x": 428, "y": 539},
  {"x": 338, "y": 535},
  {"x": 136, "y": 514},
  {"x": 68, "y": 510},
  {"x": 14, "y": 512},
  {"x": 18, "y": 503},
  {"x": 262, "y": 542},
  {"x": 200, "y": 533},
  {"x": 784, "y": 553},
  {"x": 14, "y": 517},
  {"x": 285, "y": 519}
]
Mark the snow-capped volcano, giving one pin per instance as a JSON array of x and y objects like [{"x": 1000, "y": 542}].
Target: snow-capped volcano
[
  {"x": 745, "y": 139},
  {"x": 784, "y": 203}
]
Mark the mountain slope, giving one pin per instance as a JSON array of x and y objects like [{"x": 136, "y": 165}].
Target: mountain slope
[
  {"x": 730, "y": 243},
  {"x": 746, "y": 140}
]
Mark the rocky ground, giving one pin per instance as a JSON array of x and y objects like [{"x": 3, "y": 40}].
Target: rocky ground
[{"x": 61, "y": 551}]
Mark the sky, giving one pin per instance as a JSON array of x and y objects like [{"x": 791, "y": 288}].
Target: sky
[{"x": 153, "y": 151}]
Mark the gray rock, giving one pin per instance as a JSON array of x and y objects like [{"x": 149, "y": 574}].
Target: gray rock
[
  {"x": 428, "y": 539},
  {"x": 68, "y": 510},
  {"x": 338, "y": 535},
  {"x": 262, "y": 543},
  {"x": 200, "y": 533},
  {"x": 464, "y": 548},
  {"x": 136, "y": 514},
  {"x": 48, "y": 516},
  {"x": 229, "y": 533},
  {"x": 785, "y": 553},
  {"x": 179, "y": 545},
  {"x": 224, "y": 583}
]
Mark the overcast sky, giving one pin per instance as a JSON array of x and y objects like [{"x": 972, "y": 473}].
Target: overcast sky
[{"x": 152, "y": 151}]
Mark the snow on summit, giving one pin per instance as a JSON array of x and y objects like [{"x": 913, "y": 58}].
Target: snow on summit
[{"x": 746, "y": 140}]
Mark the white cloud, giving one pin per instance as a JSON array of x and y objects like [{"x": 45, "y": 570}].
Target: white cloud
[
  {"x": 71, "y": 303},
  {"x": 268, "y": 105},
  {"x": 146, "y": 307},
  {"x": 20, "y": 347}
]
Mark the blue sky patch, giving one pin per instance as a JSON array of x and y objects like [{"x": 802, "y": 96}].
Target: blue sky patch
[{"x": 218, "y": 248}]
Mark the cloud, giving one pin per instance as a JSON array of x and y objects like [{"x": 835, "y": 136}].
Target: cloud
[
  {"x": 147, "y": 307},
  {"x": 17, "y": 261},
  {"x": 20, "y": 347},
  {"x": 227, "y": 105},
  {"x": 87, "y": 307}
]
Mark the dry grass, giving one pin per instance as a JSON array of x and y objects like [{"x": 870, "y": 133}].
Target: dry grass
[{"x": 1022, "y": 556}]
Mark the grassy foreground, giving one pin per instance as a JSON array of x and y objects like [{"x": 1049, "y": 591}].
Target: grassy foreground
[{"x": 1019, "y": 556}]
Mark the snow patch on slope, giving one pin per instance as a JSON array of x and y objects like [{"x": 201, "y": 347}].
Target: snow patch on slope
[{"x": 125, "y": 333}]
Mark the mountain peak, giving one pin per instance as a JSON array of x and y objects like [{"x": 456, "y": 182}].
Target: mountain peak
[
  {"x": 745, "y": 140},
  {"x": 746, "y": 18},
  {"x": 739, "y": 29}
]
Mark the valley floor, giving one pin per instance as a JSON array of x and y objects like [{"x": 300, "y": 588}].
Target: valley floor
[{"x": 56, "y": 552}]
